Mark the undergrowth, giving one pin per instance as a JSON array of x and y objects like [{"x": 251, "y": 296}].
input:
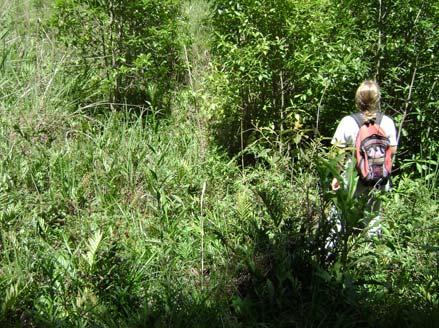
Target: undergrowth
[{"x": 127, "y": 218}]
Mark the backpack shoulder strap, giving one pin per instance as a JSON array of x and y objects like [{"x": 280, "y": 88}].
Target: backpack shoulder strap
[
  {"x": 379, "y": 118},
  {"x": 358, "y": 117}
]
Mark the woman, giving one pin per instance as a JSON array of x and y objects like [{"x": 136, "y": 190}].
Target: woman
[{"x": 367, "y": 100}]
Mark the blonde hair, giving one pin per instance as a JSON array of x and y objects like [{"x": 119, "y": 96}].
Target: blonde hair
[{"x": 367, "y": 99}]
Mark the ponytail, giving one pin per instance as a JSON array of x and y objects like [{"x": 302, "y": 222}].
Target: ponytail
[{"x": 367, "y": 99}]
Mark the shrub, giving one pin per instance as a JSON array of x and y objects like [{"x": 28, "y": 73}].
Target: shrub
[
  {"x": 128, "y": 50},
  {"x": 280, "y": 59}
]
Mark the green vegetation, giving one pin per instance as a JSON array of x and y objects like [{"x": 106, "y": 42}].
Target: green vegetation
[
  {"x": 282, "y": 62},
  {"x": 165, "y": 164},
  {"x": 127, "y": 50}
]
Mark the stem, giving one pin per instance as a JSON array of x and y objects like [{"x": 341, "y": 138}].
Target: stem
[
  {"x": 378, "y": 53},
  {"x": 113, "y": 55},
  {"x": 242, "y": 140},
  {"x": 432, "y": 89},
  {"x": 188, "y": 67},
  {"x": 319, "y": 108},
  {"x": 417, "y": 17},
  {"x": 203, "y": 191},
  {"x": 282, "y": 105},
  {"x": 407, "y": 103},
  {"x": 345, "y": 234}
]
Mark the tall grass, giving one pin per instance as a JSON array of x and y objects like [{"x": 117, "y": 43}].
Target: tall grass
[
  {"x": 129, "y": 220},
  {"x": 101, "y": 221}
]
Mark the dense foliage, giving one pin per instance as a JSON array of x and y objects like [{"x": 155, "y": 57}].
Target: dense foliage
[
  {"x": 128, "y": 218},
  {"x": 128, "y": 50},
  {"x": 402, "y": 37},
  {"x": 280, "y": 62},
  {"x": 284, "y": 64}
]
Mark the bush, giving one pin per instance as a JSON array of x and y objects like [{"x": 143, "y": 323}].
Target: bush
[
  {"x": 279, "y": 60},
  {"x": 397, "y": 275},
  {"x": 128, "y": 50}
]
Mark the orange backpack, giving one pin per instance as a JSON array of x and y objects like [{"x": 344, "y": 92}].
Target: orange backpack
[{"x": 372, "y": 151}]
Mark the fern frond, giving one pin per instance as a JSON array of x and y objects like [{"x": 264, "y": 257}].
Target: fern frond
[{"x": 92, "y": 247}]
